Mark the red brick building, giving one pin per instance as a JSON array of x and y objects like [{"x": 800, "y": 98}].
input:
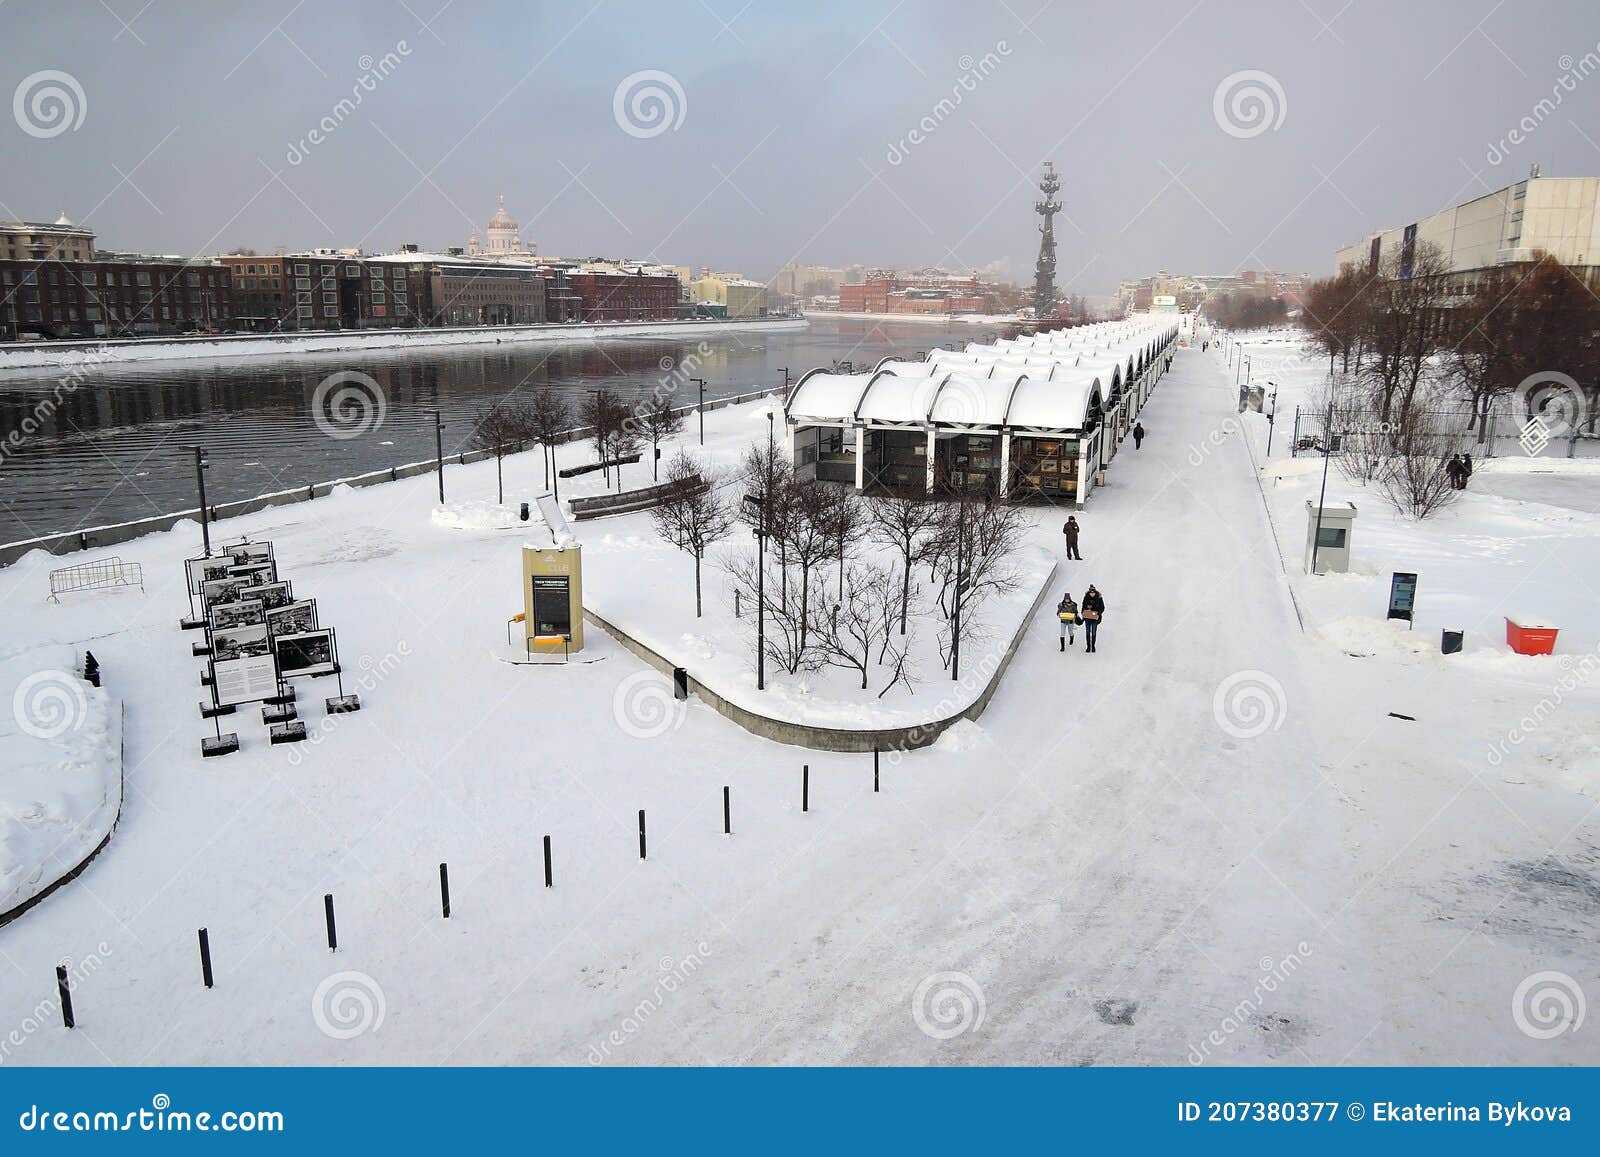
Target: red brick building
[
  {"x": 124, "y": 295},
  {"x": 613, "y": 295},
  {"x": 885, "y": 291}
]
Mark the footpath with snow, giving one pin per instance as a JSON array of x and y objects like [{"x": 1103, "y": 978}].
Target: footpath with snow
[{"x": 1207, "y": 843}]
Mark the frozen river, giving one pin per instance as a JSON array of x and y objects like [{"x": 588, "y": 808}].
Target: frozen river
[{"x": 117, "y": 448}]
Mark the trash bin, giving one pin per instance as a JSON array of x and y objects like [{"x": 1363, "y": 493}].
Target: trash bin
[
  {"x": 680, "y": 683},
  {"x": 524, "y": 512},
  {"x": 1451, "y": 643},
  {"x": 1530, "y": 638}
]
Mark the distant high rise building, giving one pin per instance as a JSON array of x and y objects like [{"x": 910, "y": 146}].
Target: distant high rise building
[{"x": 1044, "y": 273}]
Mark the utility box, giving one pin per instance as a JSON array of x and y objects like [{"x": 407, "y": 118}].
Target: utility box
[
  {"x": 552, "y": 597},
  {"x": 1328, "y": 532}
]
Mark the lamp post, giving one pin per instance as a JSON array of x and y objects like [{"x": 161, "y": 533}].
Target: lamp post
[
  {"x": 201, "y": 465},
  {"x": 701, "y": 383},
  {"x": 1327, "y": 448},
  {"x": 1272, "y": 415},
  {"x": 438, "y": 448}
]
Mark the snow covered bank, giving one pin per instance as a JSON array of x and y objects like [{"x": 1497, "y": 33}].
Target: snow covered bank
[
  {"x": 87, "y": 356},
  {"x": 60, "y": 773}
]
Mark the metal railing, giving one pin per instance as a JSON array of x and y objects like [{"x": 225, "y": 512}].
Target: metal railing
[{"x": 88, "y": 576}]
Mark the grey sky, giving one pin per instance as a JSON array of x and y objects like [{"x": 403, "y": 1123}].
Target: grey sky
[{"x": 789, "y": 120}]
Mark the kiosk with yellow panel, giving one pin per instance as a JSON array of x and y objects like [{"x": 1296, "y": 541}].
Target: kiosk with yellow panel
[{"x": 552, "y": 588}]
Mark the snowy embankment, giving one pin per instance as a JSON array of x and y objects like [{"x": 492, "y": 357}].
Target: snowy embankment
[
  {"x": 68, "y": 355},
  {"x": 60, "y": 772},
  {"x": 1118, "y": 865},
  {"x": 1522, "y": 542}
]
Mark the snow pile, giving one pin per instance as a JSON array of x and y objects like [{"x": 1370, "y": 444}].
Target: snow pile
[
  {"x": 60, "y": 771},
  {"x": 961, "y": 736},
  {"x": 1365, "y": 637},
  {"x": 477, "y": 515}
]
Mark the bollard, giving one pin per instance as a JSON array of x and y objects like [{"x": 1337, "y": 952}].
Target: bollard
[
  {"x": 641, "y": 833},
  {"x": 327, "y": 911},
  {"x": 874, "y": 769},
  {"x": 549, "y": 881},
  {"x": 727, "y": 815},
  {"x": 444, "y": 889},
  {"x": 205, "y": 957},
  {"x": 66, "y": 997},
  {"x": 805, "y": 788}
]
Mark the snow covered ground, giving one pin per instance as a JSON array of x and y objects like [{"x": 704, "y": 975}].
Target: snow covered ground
[
  {"x": 60, "y": 770},
  {"x": 1208, "y": 843},
  {"x": 88, "y": 355}
]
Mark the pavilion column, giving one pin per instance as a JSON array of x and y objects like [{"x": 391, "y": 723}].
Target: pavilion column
[
  {"x": 861, "y": 458},
  {"x": 1005, "y": 463},
  {"x": 933, "y": 441},
  {"x": 1084, "y": 468}
]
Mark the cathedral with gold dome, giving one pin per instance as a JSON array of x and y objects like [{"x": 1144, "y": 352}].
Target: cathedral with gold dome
[{"x": 504, "y": 241}]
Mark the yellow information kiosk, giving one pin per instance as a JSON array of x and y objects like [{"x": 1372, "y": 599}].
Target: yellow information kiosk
[{"x": 552, "y": 587}]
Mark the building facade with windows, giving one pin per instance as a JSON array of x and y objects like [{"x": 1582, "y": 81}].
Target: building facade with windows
[
  {"x": 621, "y": 295},
  {"x": 34, "y": 241},
  {"x": 120, "y": 295},
  {"x": 1559, "y": 216}
]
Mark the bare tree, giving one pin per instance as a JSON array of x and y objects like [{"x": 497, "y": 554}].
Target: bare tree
[
  {"x": 693, "y": 516},
  {"x": 845, "y": 522},
  {"x": 785, "y": 636},
  {"x": 845, "y": 633},
  {"x": 655, "y": 420},
  {"x": 607, "y": 419},
  {"x": 1414, "y": 477},
  {"x": 770, "y": 476},
  {"x": 500, "y": 430},
  {"x": 1404, "y": 326},
  {"x": 973, "y": 557},
  {"x": 546, "y": 418},
  {"x": 904, "y": 525}
]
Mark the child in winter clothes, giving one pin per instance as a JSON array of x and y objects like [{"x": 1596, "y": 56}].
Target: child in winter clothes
[{"x": 1067, "y": 612}]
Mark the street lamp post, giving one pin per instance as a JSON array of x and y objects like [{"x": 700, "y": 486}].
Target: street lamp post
[
  {"x": 1272, "y": 415},
  {"x": 701, "y": 383},
  {"x": 1327, "y": 449},
  {"x": 200, "y": 468},
  {"x": 438, "y": 448}
]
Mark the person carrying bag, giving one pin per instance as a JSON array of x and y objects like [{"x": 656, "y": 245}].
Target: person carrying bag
[
  {"x": 1067, "y": 612},
  {"x": 1094, "y": 609}
]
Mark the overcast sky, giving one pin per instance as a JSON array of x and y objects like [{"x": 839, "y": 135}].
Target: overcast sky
[{"x": 788, "y": 132}]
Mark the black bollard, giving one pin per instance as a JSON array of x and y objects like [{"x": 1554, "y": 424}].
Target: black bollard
[
  {"x": 874, "y": 769},
  {"x": 736, "y": 613},
  {"x": 444, "y": 889},
  {"x": 327, "y": 911},
  {"x": 727, "y": 814},
  {"x": 805, "y": 787},
  {"x": 549, "y": 880},
  {"x": 205, "y": 957},
  {"x": 641, "y": 833},
  {"x": 66, "y": 997}
]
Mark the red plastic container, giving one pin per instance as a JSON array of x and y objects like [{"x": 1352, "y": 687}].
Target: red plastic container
[{"x": 1531, "y": 640}]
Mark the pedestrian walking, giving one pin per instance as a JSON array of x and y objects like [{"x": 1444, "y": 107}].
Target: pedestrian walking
[
  {"x": 1466, "y": 470},
  {"x": 1093, "y": 610},
  {"x": 1070, "y": 529},
  {"x": 1456, "y": 472},
  {"x": 1138, "y": 435},
  {"x": 1067, "y": 612}
]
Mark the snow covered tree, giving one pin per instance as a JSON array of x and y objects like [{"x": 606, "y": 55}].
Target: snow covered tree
[
  {"x": 500, "y": 430},
  {"x": 972, "y": 557},
  {"x": 904, "y": 525},
  {"x": 655, "y": 420},
  {"x": 547, "y": 418}
]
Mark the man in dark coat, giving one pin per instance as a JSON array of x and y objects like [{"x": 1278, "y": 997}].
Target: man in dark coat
[
  {"x": 1070, "y": 529},
  {"x": 1092, "y": 610},
  {"x": 1138, "y": 435}
]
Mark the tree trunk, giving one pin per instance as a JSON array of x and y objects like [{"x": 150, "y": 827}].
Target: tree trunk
[
  {"x": 697, "y": 608},
  {"x": 499, "y": 479},
  {"x": 905, "y": 594}
]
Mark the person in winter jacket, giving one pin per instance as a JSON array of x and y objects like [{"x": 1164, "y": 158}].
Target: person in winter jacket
[
  {"x": 1070, "y": 529},
  {"x": 1067, "y": 612},
  {"x": 1138, "y": 435},
  {"x": 1093, "y": 610}
]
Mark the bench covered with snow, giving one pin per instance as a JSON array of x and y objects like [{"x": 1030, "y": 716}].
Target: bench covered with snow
[{"x": 629, "y": 501}]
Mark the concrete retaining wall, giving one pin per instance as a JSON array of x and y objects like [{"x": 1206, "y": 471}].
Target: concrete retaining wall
[{"x": 839, "y": 738}]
